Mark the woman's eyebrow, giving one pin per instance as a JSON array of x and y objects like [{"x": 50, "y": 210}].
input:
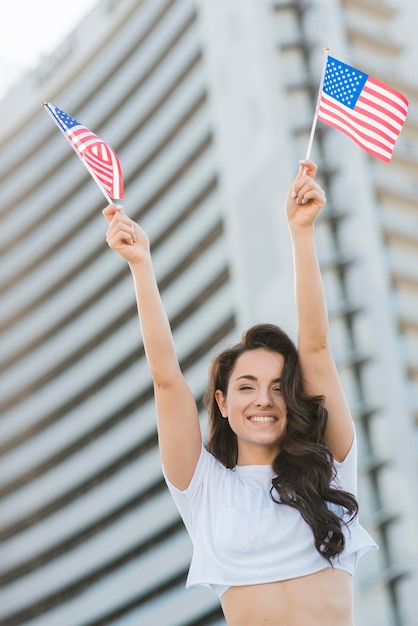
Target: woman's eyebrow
[{"x": 251, "y": 377}]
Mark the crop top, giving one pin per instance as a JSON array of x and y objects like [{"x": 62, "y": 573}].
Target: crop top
[{"x": 241, "y": 536}]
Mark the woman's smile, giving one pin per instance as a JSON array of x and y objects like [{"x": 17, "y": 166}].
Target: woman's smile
[{"x": 263, "y": 419}]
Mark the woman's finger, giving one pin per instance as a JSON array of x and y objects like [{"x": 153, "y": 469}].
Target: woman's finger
[
  {"x": 311, "y": 195},
  {"x": 307, "y": 168},
  {"x": 110, "y": 211},
  {"x": 304, "y": 186},
  {"x": 120, "y": 232}
]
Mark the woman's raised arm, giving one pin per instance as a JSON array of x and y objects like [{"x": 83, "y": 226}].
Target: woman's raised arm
[
  {"x": 304, "y": 201},
  {"x": 178, "y": 425}
]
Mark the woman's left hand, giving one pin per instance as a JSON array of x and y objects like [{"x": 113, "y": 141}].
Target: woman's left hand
[{"x": 305, "y": 197}]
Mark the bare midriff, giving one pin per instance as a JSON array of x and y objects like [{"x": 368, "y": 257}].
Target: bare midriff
[{"x": 321, "y": 599}]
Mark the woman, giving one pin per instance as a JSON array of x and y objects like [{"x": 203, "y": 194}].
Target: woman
[{"x": 270, "y": 506}]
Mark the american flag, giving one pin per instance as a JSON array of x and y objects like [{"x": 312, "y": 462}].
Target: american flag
[
  {"x": 99, "y": 158},
  {"x": 362, "y": 107}
]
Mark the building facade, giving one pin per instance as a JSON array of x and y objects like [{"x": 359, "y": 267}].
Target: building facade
[{"x": 209, "y": 105}]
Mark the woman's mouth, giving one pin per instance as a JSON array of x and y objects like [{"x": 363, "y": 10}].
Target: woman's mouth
[{"x": 262, "y": 419}]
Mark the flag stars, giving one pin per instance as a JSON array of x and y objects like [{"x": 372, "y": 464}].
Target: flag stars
[{"x": 343, "y": 83}]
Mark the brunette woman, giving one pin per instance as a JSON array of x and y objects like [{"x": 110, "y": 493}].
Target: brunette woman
[{"x": 270, "y": 502}]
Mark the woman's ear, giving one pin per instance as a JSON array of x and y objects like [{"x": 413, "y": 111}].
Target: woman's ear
[{"x": 221, "y": 402}]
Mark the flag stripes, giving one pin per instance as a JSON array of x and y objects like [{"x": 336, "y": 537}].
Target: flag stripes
[{"x": 99, "y": 158}]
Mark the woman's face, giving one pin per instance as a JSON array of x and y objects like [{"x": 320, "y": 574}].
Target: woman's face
[{"x": 254, "y": 405}]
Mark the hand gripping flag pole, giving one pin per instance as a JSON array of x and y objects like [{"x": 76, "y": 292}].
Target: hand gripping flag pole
[
  {"x": 99, "y": 158},
  {"x": 364, "y": 108}
]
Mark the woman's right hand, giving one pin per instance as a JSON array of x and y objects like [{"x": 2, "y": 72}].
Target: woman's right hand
[{"x": 125, "y": 236}]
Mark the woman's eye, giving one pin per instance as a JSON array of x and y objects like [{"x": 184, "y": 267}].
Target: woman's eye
[
  {"x": 245, "y": 387},
  {"x": 277, "y": 389}
]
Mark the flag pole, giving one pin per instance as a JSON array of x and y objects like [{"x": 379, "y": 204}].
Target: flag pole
[{"x": 308, "y": 152}]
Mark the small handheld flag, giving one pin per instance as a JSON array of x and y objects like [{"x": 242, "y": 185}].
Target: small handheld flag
[
  {"x": 99, "y": 158},
  {"x": 362, "y": 107}
]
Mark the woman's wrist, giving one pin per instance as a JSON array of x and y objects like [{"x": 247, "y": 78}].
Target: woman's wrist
[
  {"x": 142, "y": 264},
  {"x": 302, "y": 231}
]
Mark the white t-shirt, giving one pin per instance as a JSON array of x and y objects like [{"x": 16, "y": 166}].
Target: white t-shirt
[{"x": 241, "y": 536}]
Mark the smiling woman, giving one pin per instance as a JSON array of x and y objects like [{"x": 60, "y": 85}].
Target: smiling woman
[
  {"x": 270, "y": 503},
  {"x": 252, "y": 404}
]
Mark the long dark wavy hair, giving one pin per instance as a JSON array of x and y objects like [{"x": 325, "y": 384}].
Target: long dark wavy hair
[{"x": 304, "y": 466}]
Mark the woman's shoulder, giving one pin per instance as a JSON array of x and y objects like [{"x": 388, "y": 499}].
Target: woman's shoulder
[
  {"x": 346, "y": 470},
  {"x": 208, "y": 471}
]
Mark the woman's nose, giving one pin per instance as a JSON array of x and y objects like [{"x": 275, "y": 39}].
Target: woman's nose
[{"x": 264, "y": 399}]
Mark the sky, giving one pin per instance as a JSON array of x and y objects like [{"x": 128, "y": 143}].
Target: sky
[{"x": 30, "y": 29}]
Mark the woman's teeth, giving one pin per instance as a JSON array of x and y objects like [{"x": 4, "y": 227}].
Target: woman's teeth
[{"x": 262, "y": 418}]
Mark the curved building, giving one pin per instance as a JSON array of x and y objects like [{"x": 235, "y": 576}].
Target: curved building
[{"x": 208, "y": 104}]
